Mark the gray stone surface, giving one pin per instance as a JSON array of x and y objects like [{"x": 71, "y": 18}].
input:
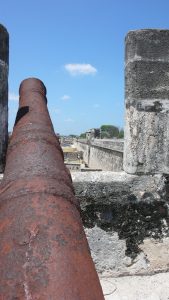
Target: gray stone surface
[
  {"x": 147, "y": 102},
  {"x": 153, "y": 287},
  {"x": 108, "y": 251},
  {"x": 126, "y": 221},
  {"x": 4, "y": 56},
  {"x": 113, "y": 144},
  {"x": 105, "y": 158},
  {"x": 72, "y": 155},
  {"x": 99, "y": 155},
  {"x": 83, "y": 146}
]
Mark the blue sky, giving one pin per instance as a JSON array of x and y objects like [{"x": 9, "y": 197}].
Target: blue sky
[{"x": 76, "y": 47}]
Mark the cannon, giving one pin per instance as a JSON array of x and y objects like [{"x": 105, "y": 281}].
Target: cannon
[{"x": 44, "y": 254}]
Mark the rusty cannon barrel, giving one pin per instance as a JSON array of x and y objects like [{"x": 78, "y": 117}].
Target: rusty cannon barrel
[{"x": 44, "y": 254}]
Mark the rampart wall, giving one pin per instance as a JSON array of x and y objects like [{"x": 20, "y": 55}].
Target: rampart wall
[
  {"x": 100, "y": 154},
  {"x": 73, "y": 156}
]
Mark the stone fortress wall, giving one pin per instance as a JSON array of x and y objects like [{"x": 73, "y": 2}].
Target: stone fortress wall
[
  {"x": 100, "y": 154},
  {"x": 114, "y": 144},
  {"x": 106, "y": 155},
  {"x": 125, "y": 213}
]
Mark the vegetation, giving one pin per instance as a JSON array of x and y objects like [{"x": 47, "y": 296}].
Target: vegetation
[
  {"x": 73, "y": 136},
  {"x": 108, "y": 132},
  {"x": 83, "y": 135},
  {"x": 111, "y": 131},
  {"x": 121, "y": 133}
]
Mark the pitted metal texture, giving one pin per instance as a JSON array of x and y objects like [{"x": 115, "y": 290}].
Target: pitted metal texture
[{"x": 44, "y": 254}]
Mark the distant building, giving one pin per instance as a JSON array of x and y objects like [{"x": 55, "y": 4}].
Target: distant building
[{"x": 93, "y": 133}]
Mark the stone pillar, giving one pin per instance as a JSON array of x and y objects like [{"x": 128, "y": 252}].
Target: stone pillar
[
  {"x": 146, "y": 148},
  {"x": 4, "y": 61}
]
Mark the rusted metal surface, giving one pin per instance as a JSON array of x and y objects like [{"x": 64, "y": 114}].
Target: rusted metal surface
[{"x": 44, "y": 254}]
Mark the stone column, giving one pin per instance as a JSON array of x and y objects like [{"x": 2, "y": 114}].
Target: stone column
[
  {"x": 146, "y": 149},
  {"x": 4, "y": 61}
]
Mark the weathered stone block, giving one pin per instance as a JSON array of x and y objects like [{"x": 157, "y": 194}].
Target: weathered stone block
[
  {"x": 124, "y": 217},
  {"x": 4, "y": 57},
  {"x": 147, "y": 102}
]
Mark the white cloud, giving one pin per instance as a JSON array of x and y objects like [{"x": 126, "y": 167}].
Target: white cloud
[
  {"x": 80, "y": 69},
  {"x": 69, "y": 120},
  {"x": 13, "y": 96},
  {"x": 65, "y": 97}
]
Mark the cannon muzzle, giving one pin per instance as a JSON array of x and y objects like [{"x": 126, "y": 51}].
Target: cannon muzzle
[{"x": 44, "y": 254}]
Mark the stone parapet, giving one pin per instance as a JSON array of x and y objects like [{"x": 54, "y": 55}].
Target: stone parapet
[
  {"x": 147, "y": 102},
  {"x": 113, "y": 144},
  {"x": 102, "y": 156},
  {"x": 126, "y": 221}
]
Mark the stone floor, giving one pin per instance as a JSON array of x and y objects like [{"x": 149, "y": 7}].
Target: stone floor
[{"x": 154, "y": 287}]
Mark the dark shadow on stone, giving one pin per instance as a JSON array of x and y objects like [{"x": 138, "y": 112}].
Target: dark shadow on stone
[{"x": 133, "y": 220}]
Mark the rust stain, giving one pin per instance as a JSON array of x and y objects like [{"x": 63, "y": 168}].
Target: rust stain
[
  {"x": 6, "y": 249},
  {"x": 4, "y": 223}
]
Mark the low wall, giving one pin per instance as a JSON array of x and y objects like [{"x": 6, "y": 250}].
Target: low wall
[
  {"x": 73, "y": 156},
  {"x": 114, "y": 144},
  {"x": 126, "y": 221},
  {"x": 105, "y": 159},
  {"x": 100, "y": 154},
  {"x": 73, "y": 166},
  {"x": 84, "y": 147}
]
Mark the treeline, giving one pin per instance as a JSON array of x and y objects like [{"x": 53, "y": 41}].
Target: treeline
[
  {"x": 108, "y": 132},
  {"x": 111, "y": 131}
]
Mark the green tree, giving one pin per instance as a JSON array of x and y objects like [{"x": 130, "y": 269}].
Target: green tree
[
  {"x": 105, "y": 135},
  {"x": 109, "y": 131},
  {"x": 82, "y": 136},
  {"x": 121, "y": 133}
]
